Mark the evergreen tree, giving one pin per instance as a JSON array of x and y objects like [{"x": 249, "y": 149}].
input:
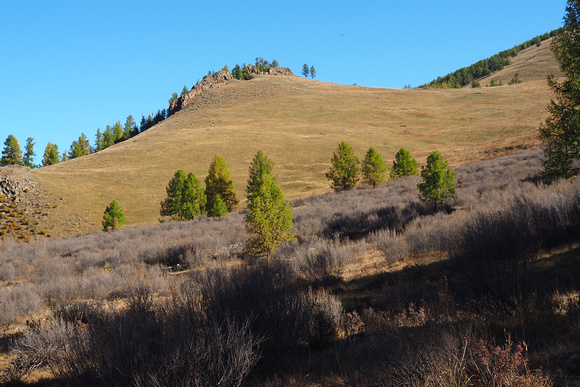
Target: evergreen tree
[
  {"x": 220, "y": 189},
  {"x": 117, "y": 132},
  {"x": 404, "y": 165},
  {"x": 312, "y": 72},
  {"x": 560, "y": 133},
  {"x": 275, "y": 63},
  {"x": 51, "y": 155},
  {"x": 305, "y": 70},
  {"x": 173, "y": 98},
  {"x": 343, "y": 173},
  {"x": 113, "y": 217},
  {"x": 373, "y": 169},
  {"x": 99, "y": 141},
  {"x": 29, "y": 153},
  {"x": 269, "y": 221},
  {"x": 108, "y": 137},
  {"x": 130, "y": 128},
  {"x": 79, "y": 148},
  {"x": 185, "y": 91},
  {"x": 438, "y": 180},
  {"x": 11, "y": 154},
  {"x": 185, "y": 197}
]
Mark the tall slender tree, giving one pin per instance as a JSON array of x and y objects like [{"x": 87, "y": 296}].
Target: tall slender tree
[
  {"x": 11, "y": 154},
  {"x": 305, "y": 70},
  {"x": 29, "y": 154},
  {"x": 560, "y": 133},
  {"x": 269, "y": 220},
  {"x": 220, "y": 189},
  {"x": 312, "y": 72}
]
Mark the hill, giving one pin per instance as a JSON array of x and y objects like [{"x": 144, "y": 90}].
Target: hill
[
  {"x": 533, "y": 64},
  {"x": 298, "y": 123}
]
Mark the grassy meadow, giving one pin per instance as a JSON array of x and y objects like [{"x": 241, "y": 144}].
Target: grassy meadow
[{"x": 298, "y": 124}]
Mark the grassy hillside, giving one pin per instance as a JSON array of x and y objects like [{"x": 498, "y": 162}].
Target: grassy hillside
[
  {"x": 533, "y": 64},
  {"x": 298, "y": 123}
]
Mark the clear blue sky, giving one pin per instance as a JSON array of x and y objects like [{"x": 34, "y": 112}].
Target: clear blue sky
[{"x": 74, "y": 66}]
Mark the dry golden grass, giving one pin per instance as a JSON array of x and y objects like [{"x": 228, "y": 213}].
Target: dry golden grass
[
  {"x": 533, "y": 64},
  {"x": 297, "y": 123}
]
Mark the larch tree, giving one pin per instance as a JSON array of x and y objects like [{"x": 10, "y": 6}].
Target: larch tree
[
  {"x": 79, "y": 148},
  {"x": 438, "y": 183},
  {"x": 11, "y": 154},
  {"x": 51, "y": 155},
  {"x": 269, "y": 220},
  {"x": 220, "y": 189},
  {"x": 185, "y": 197},
  {"x": 305, "y": 70},
  {"x": 113, "y": 217},
  {"x": 374, "y": 169},
  {"x": 560, "y": 133},
  {"x": 404, "y": 165},
  {"x": 343, "y": 173}
]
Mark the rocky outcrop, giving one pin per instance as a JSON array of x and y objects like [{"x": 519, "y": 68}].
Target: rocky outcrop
[
  {"x": 14, "y": 180},
  {"x": 280, "y": 71},
  {"x": 208, "y": 82},
  {"x": 219, "y": 78}
]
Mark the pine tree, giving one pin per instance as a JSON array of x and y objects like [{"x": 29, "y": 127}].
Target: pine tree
[
  {"x": 11, "y": 153},
  {"x": 51, "y": 155},
  {"x": 404, "y": 165},
  {"x": 113, "y": 217},
  {"x": 79, "y": 148},
  {"x": 312, "y": 72},
  {"x": 29, "y": 153},
  {"x": 560, "y": 133},
  {"x": 99, "y": 144},
  {"x": 305, "y": 70},
  {"x": 184, "y": 91},
  {"x": 269, "y": 221},
  {"x": 343, "y": 173},
  {"x": 117, "y": 132},
  {"x": 219, "y": 187},
  {"x": 438, "y": 180},
  {"x": 130, "y": 128},
  {"x": 185, "y": 197},
  {"x": 373, "y": 169}
]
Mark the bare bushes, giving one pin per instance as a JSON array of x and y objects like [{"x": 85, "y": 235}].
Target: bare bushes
[
  {"x": 320, "y": 260},
  {"x": 271, "y": 296},
  {"x": 18, "y": 300},
  {"x": 142, "y": 345}
]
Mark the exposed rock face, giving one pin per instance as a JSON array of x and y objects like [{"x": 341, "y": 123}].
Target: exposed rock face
[
  {"x": 14, "y": 180},
  {"x": 219, "y": 78},
  {"x": 280, "y": 71},
  {"x": 206, "y": 83}
]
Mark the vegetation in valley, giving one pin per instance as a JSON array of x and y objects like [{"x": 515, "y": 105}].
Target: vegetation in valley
[{"x": 378, "y": 287}]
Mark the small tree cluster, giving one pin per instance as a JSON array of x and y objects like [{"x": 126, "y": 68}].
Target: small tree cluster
[
  {"x": 185, "y": 197},
  {"x": 308, "y": 71},
  {"x": 79, "y": 148}
]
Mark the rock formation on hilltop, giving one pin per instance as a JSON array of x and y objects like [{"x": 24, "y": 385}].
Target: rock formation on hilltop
[{"x": 219, "y": 78}]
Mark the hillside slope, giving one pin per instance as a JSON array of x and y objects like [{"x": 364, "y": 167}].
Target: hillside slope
[
  {"x": 298, "y": 124},
  {"x": 533, "y": 64}
]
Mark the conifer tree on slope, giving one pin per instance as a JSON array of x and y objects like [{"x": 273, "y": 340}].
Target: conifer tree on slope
[
  {"x": 11, "y": 154},
  {"x": 29, "y": 153},
  {"x": 343, "y": 173},
  {"x": 220, "y": 189},
  {"x": 560, "y": 133},
  {"x": 373, "y": 169},
  {"x": 185, "y": 197},
  {"x": 404, "y": 165},
  {"x": 269, "y": 221}
]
